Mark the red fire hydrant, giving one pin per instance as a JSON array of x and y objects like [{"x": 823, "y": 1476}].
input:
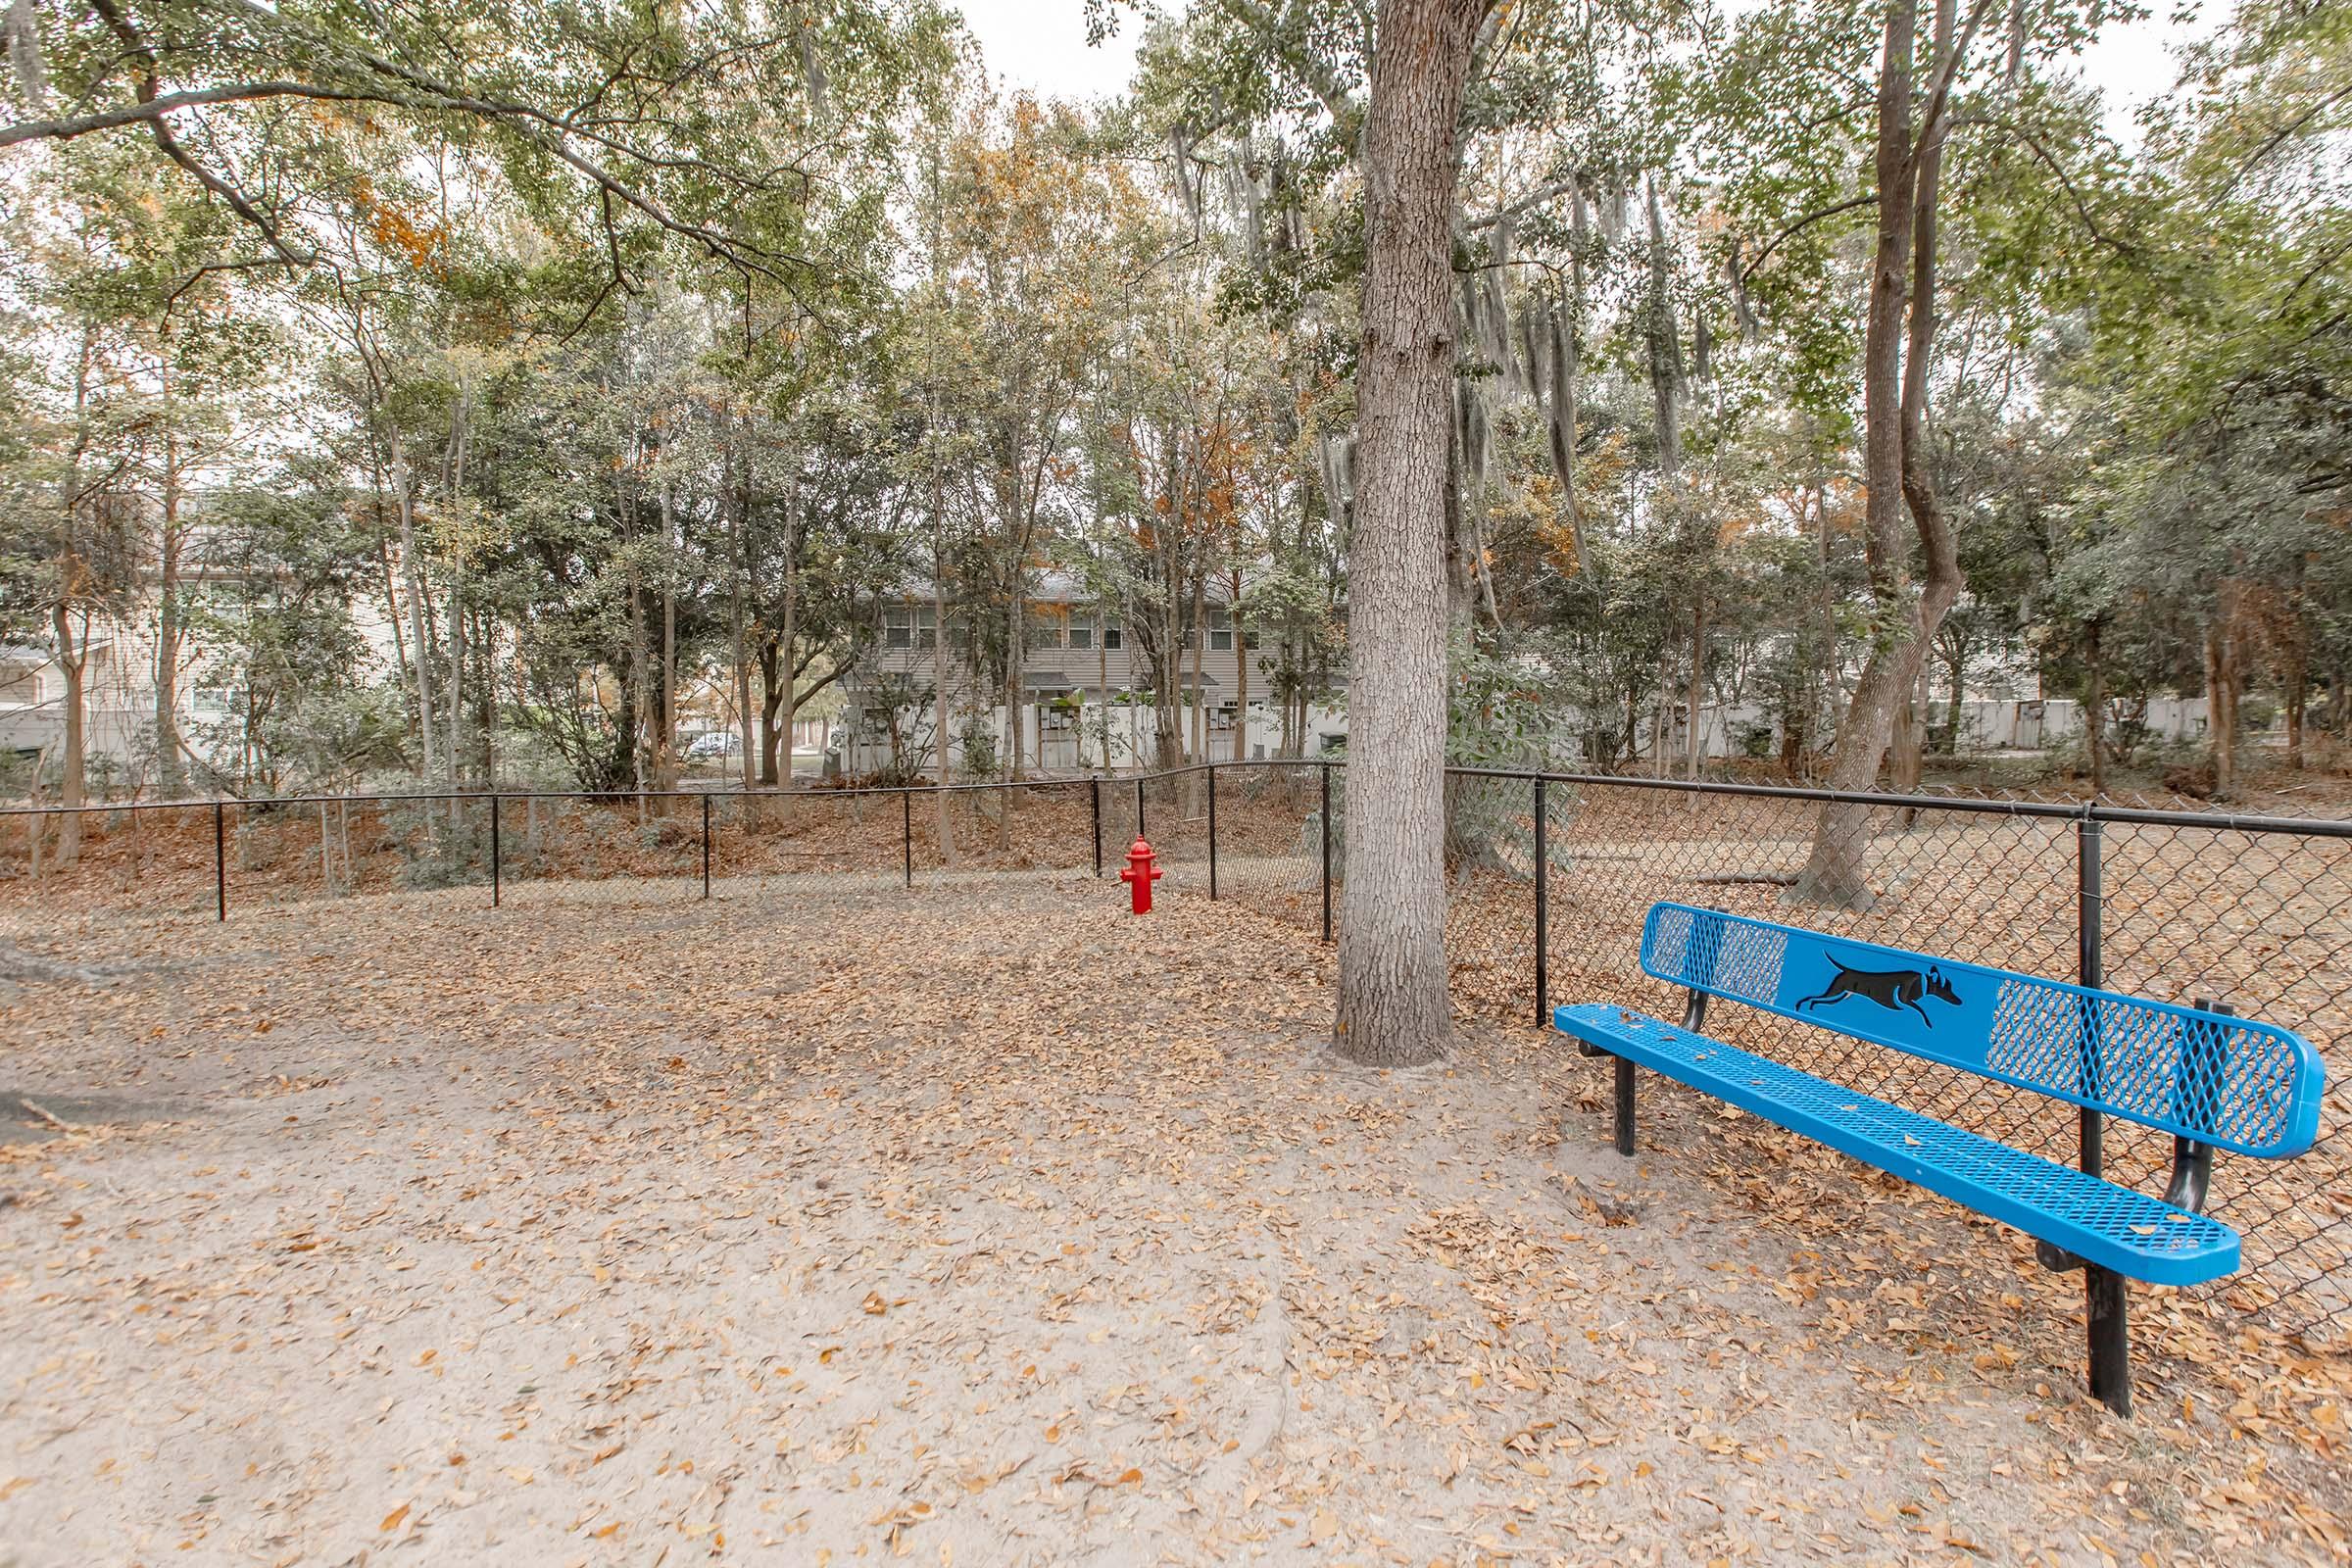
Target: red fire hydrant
[{"x": 1140, "y": 874}]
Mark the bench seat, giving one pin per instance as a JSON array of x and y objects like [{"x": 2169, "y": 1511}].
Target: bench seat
[{"x": 2139, "y": 1237}]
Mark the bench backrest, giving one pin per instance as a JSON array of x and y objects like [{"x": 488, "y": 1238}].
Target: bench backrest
[{"x": 2228, "y": 1082}]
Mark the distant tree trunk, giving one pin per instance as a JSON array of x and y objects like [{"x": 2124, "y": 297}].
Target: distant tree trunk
[
  {"x": 383, "y": 561},
  {"x": 457, "y": 682},
  {"x": 2295, "y": 676},
  {"x": 72, "y": 661},
  {"x": 1241, "y": 694},
  {"x": 772, "y": 683},
  {"x": 665, "y": 750},
  {"x": 1167, "y": 678},
  {"x": 1897, "y": 347},
  {"x": 1016, "y": 636},
  {"x": 453, "y": 489},
  {"x": 1904, "y": 761},
  {"x": 1200, "y": 656},
  {"x": 2223, "y": 676},
  {"x": 939, "y": 682},
  {"x": 1696, "y": 750},
  {"x": 1664, "y": 344},
  {"x": 741, "y": 497},
  {"x": 2095, "y": 707},
  {"x": 412, "y": 567},
  {"x": 791, "y": 693},
  {"x": 483, "y": 640},
  {"x": 1394, "y": 1008},
  {"x": 171, "y": 776},
  {"x": 1956, "y": 663}
]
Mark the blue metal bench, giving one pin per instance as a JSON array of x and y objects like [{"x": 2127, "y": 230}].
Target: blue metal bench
[{"x": 2211, "y": 1079}]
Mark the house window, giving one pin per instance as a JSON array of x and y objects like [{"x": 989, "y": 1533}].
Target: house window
[
  {"x": 1045, "y": 629},
  {"x": 1220, "y": 631},
  {"x": 1114, "y": 636},
  {"x": 909, "y": 627},
  {"x": 1082, "y": 636},
  {"x": 20, "y": 687}
]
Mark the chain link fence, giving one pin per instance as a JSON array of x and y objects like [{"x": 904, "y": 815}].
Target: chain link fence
[{"x": 1550, "y": 879}]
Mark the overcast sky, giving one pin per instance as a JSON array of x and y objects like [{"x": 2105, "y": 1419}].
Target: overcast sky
[{"x": 1041, "y": 45}]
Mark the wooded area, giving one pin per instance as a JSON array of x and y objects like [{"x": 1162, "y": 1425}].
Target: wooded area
[{"x": 445, "y": 381}]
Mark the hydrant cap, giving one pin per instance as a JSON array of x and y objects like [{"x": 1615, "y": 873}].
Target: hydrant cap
[{"x": 1140, "y": 850}]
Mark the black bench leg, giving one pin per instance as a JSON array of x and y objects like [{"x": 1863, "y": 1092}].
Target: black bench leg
[
  {"x": 2110, "y": 1338},
  {"x": 1624, "y": 1106}
]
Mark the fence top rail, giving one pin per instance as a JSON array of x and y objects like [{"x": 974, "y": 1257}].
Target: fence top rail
[
  {"x": 2070, "y": 811},
  {"x": 2087, "y": 811}
]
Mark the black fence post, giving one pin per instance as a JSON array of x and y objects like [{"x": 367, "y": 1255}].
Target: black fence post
[
  {"x": 906, "y": 830},
  {"x": 2106, "y": 1305},
  {"x": 1093, "y": 790},
  {"x": 1326, "y": 820},
  {"x": 495, "y": 877},
  {"x": 705, "y": 846},
  {"x": 1212, "y": 831},
  {"x": 1139, "y": 807},
  {"x": 219, "y": 863},
  {"x": 1543, "y": 913},
  {"x": 2090, "y": 970}
]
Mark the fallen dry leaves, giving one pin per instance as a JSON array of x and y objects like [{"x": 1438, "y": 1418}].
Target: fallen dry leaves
[{"x": 986, "y": 1224}]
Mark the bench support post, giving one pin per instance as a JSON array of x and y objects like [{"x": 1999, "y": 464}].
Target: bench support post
[
  {"x": 2110, "y": 1338},
  {"x": 1624, "y": 1104}
]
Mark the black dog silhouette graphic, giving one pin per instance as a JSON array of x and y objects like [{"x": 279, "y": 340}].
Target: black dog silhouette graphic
[{"x": 1891, "y": 989}]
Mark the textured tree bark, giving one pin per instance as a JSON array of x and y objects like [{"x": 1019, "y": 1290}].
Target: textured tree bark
[
  {"x": 1393, "y": 1005},
  {"x": 1894, "y": 389}
]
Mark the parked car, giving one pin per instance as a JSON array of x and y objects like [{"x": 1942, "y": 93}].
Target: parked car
[{"x": 718, "y": 743}]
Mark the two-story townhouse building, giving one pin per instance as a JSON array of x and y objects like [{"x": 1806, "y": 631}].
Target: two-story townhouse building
[{"x": 1080, "y": 666}]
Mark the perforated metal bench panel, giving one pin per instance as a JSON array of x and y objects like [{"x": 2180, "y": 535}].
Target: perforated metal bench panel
[
  {"x": 2140, "y": 1237},
  {"x": 2232, "y": 1083}
]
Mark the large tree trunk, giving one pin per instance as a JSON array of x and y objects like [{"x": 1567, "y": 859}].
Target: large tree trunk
[
  {"x": 1392, "y": 1005},
  {"x": 1897, "y": 344}
]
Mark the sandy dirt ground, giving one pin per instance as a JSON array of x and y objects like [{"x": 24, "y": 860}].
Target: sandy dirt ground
[{"x": 984, "y": 1225}]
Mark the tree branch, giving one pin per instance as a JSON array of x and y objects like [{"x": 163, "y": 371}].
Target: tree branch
[
  {"x": 1867, "y": 198},
  {"x": 2050, "y": 161}
]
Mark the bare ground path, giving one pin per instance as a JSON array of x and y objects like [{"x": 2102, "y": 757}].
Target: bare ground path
[{"x": 980, "y": 1226}]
